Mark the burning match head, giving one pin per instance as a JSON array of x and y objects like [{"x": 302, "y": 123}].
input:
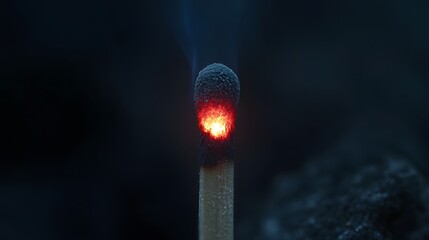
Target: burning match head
[
  {"x": 217, "y": 90},
  {"x": 216, "y": 95}
]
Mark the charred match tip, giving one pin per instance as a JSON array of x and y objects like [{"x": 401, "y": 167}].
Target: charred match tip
[
  {"x": 216, "y": 96},
  {"x": 216, "y": 82}
]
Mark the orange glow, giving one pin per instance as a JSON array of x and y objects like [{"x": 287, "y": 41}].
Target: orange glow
[{"x": 216, "y": 120}]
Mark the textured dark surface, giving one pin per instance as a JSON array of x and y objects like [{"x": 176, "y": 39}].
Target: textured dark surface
[
  {"x": 347, "y": 195},
  {"x": 216, "y": 82}
]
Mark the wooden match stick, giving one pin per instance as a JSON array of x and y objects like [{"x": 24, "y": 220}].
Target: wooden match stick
[
  {"x": 216, "y": 95},
  {"x": 216, "y": 202}
]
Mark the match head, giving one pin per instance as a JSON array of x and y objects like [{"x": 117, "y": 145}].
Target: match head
[
  {"x": 217, "y": 82},
  {"x": 216, "y": 95}
]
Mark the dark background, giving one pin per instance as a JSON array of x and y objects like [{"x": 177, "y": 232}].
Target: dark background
[{"x": 98, "y": 136}]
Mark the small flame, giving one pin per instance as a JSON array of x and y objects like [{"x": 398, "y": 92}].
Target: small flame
[{"x": 216, "y": 120}]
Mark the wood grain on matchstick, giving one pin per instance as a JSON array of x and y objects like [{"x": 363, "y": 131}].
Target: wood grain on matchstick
[{"x": 216, "y": 207}]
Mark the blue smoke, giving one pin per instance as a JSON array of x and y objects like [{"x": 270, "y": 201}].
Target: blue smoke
[{"x": 208, "y": 31}]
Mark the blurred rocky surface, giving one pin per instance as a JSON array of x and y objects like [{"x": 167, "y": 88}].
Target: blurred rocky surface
[{"x": 375, "y": 191}]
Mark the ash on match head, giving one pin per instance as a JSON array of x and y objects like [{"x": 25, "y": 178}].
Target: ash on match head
[
  {"x": 217, "y": 82},
  {"x": 217, "y": 91},
  {"x": 216, "y": 95}
]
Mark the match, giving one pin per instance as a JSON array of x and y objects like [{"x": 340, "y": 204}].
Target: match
[{"x": 216, "y": 95}]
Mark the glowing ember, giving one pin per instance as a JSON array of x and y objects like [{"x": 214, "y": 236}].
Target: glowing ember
[{"x": 216, "y": 120}]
